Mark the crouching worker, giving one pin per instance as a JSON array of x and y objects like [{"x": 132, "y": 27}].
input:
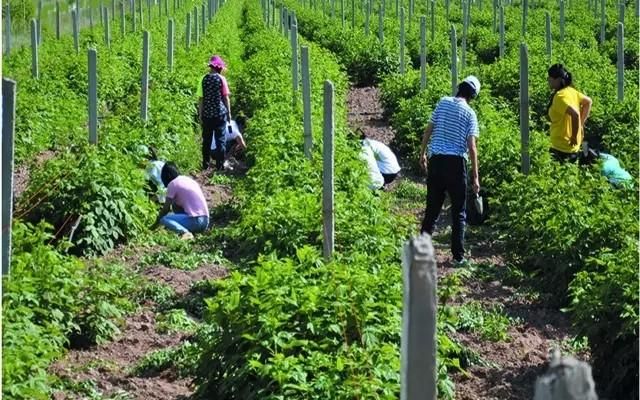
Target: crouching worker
[
  {"x": 385, "y": 159},
  {"x": 191, "y": 213},
  {"x": 153, "y": 169}
]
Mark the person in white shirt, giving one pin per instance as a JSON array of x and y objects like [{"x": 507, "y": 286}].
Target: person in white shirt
[
  {"x": 386, "y": 161},
  {"x": 376, "y": 180}
]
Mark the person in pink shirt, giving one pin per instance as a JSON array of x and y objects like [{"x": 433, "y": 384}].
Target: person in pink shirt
[
  {"x": 191, "y": 212},
  {"x": 214, "y": 112}
]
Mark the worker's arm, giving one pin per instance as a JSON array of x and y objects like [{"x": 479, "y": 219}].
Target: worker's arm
[
  {"x": 200, "y": 110},
  {"x": 473, "y": 155},
  {"x": 227, "y": 103},
  {"x": 585, "y": 108},
  {"x": 165, "y": 210},
  {"x": 575, "y": 125},
  {"x": 426, "y": 137}
]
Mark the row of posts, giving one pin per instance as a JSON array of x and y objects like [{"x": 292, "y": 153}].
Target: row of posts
[
  {"x": 105, "y": 12},
  {"x": 107, "y": 35}
]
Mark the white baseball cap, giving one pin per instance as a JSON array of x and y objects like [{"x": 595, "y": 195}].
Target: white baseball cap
[{"x": 474, "y": 82}]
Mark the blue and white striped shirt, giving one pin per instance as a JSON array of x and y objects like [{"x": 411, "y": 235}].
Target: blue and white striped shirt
[{"x": 453, "y": 122}]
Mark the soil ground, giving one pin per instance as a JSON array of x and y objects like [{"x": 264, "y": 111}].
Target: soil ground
[{"x": 509, "y": 368}]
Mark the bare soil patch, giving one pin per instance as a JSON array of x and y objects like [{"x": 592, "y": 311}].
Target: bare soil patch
[
  {"x": 181, "y": 281},
  {"x": 109, "y": 365}
]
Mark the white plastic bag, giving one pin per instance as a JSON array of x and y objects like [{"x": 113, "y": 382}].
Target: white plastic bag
[{"x": 229, "y": 136}]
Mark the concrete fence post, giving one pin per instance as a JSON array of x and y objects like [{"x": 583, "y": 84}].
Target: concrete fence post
[
  {"x": 306, "y": 102},
  {"x": 327, "y": 173},
  {"x": 93, "y": 96},
  {"x": 419, "y": 311},
  {"x": 8, "y": 131},
  {"x": 524, "y": 108}
]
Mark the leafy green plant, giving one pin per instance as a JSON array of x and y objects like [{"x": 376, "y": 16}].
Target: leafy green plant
[
  {"x": 489, "y": 322},
  {"x": 175, "y": 320}
]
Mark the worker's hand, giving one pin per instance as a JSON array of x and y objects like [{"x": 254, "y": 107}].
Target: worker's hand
[
  {"x": 423, "y": 162},
  {"x": 476, "y": 185}
]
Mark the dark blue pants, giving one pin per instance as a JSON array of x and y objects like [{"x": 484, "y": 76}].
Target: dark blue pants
[
  {"x": 447, "y": 174},
  {"x": 213, "y": 129}
]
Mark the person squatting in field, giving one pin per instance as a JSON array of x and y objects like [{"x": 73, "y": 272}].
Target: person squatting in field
[
  {"x": 451, "y": 132},
  {"x": 214, "y": 111},
  {"x": 568, "y": 110},
  {"x": 385, "y": 161},
  {"x": 190, "y": 211}
]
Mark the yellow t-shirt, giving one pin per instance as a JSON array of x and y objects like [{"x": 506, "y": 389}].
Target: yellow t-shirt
[{"x": 561, "y": 121}]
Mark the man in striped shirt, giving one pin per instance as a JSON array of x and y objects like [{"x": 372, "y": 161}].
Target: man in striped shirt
[{"x": 452, "y": 131}]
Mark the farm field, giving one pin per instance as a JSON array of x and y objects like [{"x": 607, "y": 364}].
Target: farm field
[{"x": 99, "y": 306}]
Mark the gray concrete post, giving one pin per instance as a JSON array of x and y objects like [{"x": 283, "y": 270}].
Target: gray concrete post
[
  {"x": 74, "y": 22},
  {"x": 419, "y": 340},
  {"x": 454, "y": 61},
  {"x": 423, "y": 52},
  {"x": 34, "y": 50},
  {"x": 93, "y": 96},
  {"x": 170, "y": 43},
  {"x": 603, "y": 21},
  {"x": 327, "y": 173},
  {"x": 502, "y": 33},
  {"x": 7, "y": 30},
  {"x": 525, "y": 13},
  {"x": 188, "y": 31},
  {"x": 58, "y": 20},
  {"x": 402, "y": 41},
  {"x": 524, "y": 109},
  {"x": 561, "y": 21},
  {"x": 547, "y": 26},
  {"x": 380, "y": 25},
  {"x": 620, "y": 63},
  {"x": 306, "y": 103},
  {"x": 294, "y": 63},
  {"x": 367, "y": 18},
  {"x": 107, "y": 28},
  {"x": 144, "y": 103},
  {"x": 122, "y": 21},
  {"x": 8, "y": 130}
]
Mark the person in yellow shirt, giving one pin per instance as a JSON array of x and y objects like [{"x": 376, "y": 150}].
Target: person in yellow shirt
[{"x": 568, "y": 110}]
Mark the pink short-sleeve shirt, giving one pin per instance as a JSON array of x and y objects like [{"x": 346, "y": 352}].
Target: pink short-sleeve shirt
[{"x": 187, "y": 194}]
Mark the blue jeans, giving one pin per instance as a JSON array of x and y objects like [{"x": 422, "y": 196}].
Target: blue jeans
[{"x": 183, "y": 223}]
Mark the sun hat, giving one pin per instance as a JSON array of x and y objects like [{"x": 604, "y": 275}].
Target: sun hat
[
  {"x": 473, "y": 82},
  {"x": 216, "y": 62}
]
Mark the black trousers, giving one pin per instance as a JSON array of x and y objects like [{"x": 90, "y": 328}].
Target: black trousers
[
  {"x": 447, "y": 174},
  {"x": 388, "y": 178},
  {"x": 213, "y": 129}
]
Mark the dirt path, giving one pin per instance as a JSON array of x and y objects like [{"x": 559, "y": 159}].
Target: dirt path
[
  {"x": 108, "y": 369},
  {"x": 508, "y": 368}
]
